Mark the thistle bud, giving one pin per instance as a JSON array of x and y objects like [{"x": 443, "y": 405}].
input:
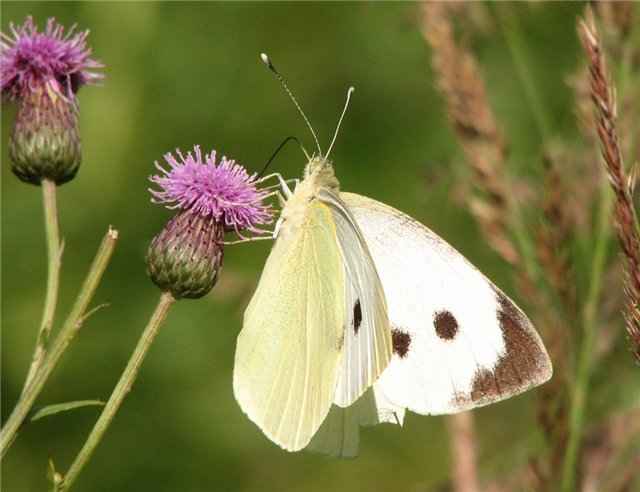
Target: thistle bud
[
  {"x": 42, "y": 72},
  {"x": 45, "y": 142},
  {"x": 186, "y": 257}
]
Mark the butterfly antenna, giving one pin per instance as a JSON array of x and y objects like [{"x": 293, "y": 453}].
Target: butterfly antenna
[
  {"x": 277, "y": 151},
  {"x": 267, "y": 61},
  {"x": 346, "y": 105}
]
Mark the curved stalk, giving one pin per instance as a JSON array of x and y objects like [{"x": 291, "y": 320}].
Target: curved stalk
[
  {"x": 590, "y": 318},
  {"x": 54, "y": 254},
  {"x": 70, "y": 328},
  {"x": 120, "y": 391}
]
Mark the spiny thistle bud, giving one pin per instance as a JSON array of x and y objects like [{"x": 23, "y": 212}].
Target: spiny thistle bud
[
  {"x": 186, "y": 257},
  {"x": 42, "y": 72},
  {"x": 45, "y": 142}
]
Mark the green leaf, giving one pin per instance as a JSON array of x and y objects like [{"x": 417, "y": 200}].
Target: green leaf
[{"x": 64, "y": 407}]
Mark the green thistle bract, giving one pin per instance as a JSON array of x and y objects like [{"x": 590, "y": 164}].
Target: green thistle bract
[
  {"x": 186, "y": 257},
  {"x": 45, "y": 143}
]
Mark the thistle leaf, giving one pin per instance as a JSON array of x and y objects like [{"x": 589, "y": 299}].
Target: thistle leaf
[{"x": 63, "y": 407}]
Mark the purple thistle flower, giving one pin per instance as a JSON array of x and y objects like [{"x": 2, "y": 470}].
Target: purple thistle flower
[
  {"x": 51, "y": 61},
  {"x": 41, "y": 72},
  {"x": 223, "y": 191}
]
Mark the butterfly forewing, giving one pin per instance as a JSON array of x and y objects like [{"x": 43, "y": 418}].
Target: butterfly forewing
[
  {"x": 458, "y": 341},
  {"x": 289, "y": 350},
  {"x": 367, "y": 340}
]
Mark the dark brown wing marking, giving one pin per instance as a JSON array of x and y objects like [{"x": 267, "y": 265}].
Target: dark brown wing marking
[
  {"x": 445, "y": 324},
  {"x": 401, "y": 342},
  {"x": 523, "y": 364},
  {"x": 357, "y": 316}
]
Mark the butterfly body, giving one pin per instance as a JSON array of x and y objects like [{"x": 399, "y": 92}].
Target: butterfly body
[{"x": 318, "y": 175}]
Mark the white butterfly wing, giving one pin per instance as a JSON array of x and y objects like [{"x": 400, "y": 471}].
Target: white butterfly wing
[
  {"x": 339, "y": 435},
  {"x": 367, "y": 340},
  {"x": 458, "y": 341},
  {"x": 289, "y": 351}
]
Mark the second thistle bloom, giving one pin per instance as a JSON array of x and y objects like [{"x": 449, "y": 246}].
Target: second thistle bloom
[
  {"x": 212, "y": 197},
  {"x": 223, "y": 190},
  {"x": 42, "y": 72}
]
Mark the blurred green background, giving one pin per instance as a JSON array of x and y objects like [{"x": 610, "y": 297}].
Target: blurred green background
[{"x": 179, "y": 74}]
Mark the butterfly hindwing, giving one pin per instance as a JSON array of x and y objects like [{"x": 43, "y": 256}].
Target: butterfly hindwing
[
  {"x": 289, "y": 350},
  {"x": 339, "y": 435},
  {"x": 367, "y": 340},
  {"x": 458, "y": 341}
]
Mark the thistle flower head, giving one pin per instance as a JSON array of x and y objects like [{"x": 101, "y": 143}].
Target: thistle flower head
[
  {"x": 221, "y": 190},
  {"x": 50, "y": 62}
]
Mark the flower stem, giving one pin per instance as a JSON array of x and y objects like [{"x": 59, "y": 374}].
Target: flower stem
[
  {"x": 583, "y": 370},
  {"x": 121, "y": 390},
  {"x": 71, "y": 326},
  {"x": 54, "y": 253},
  {"x": 511, "y": 30}
]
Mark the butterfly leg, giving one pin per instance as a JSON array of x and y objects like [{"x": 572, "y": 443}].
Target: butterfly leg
[
  {"x": 282, "y": 183},
  {"x": 279, "y": 185},
  {"x": 262, "y": 234},
  {"x": 266, "y": 234},
  {"x": 283, "y": 193},
  {"x": 248, "y": 240}
]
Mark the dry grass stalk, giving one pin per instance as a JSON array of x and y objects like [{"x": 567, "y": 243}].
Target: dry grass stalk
[
  {"x": 603, "y": 98},
  {"x": 617, "y": 19},
  {"x": 463, "y": 452},
  {"x": 460, "y": 81},
  {"x": 555, "y": 233},
  {"x": 523, "y": 478},
  {"x": 552, "y": 406},
  {"x": 611, "y": 305}
]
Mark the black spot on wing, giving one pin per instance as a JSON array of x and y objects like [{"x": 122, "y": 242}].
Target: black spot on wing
[
  {"x": 357, "y": 316},
  {"x": 401, "y": 342},
  {"x": 445, "y": 324}
]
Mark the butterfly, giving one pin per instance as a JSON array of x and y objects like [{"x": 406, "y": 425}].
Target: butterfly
[{"x": 362, "y": 313}]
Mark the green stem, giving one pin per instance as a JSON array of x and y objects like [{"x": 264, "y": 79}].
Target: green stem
[
  {"x": 121, "y": 390},
  {"x": 54, "y": 253},
  {"x": 583, "y": 370},
  {"x": 511, "y": 31},
  {"x": 525, "y": 245},
  {"x": 71, "y": 326}
]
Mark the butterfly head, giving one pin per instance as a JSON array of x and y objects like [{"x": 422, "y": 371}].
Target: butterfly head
[{"x": 319, "y": 170}]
